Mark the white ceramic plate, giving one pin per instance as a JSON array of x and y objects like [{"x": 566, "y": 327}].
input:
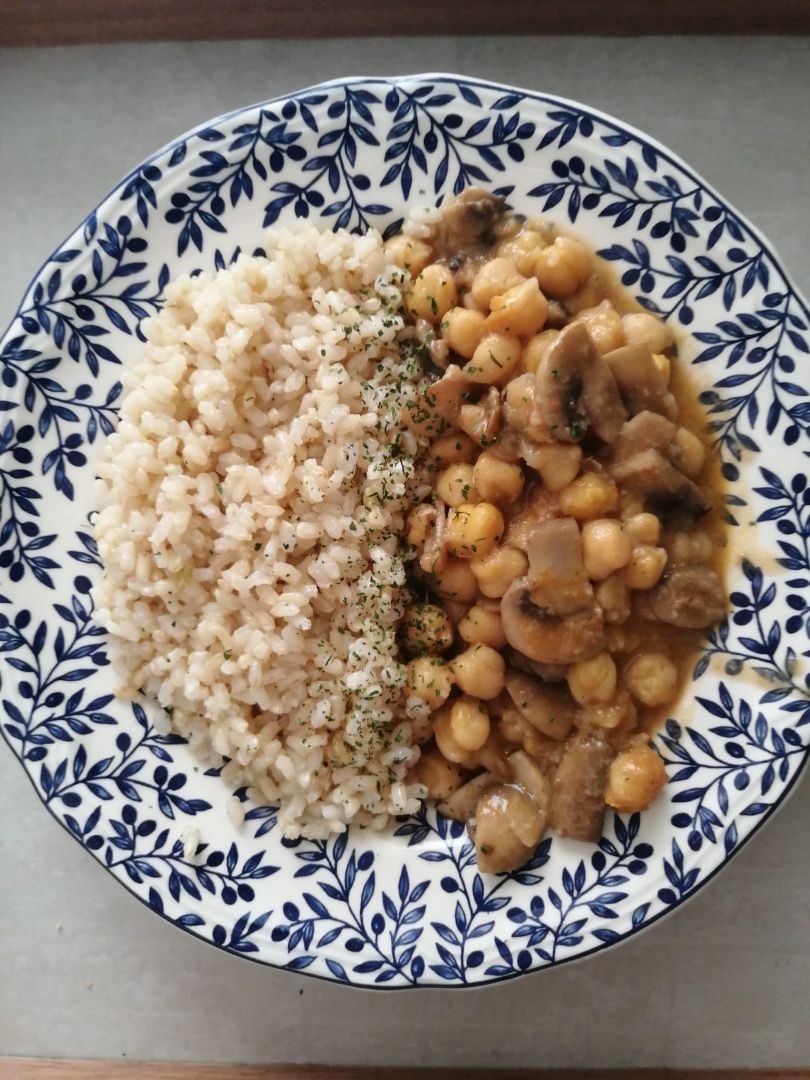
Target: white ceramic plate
[{"x": 407, "y": 908}]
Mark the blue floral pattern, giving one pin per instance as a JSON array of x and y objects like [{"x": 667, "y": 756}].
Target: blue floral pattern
[{"x": 408, "y": 908}]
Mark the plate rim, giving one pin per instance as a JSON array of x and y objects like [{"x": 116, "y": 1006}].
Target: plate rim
[{"x": 666, "y": 153}]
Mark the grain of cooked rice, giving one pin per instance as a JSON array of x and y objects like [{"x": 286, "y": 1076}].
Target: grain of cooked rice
[{"x": 255, "y": 493}]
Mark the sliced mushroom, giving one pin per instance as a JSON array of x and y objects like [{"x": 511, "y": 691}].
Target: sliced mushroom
[
  {"x": 528, "y": 775},
  {"x": 492, "y": 756},
  {"x": 445, "y": 396},
  {"x": 539, "y": 505},
  {"x": 437, "y": 348},
  {"x": 508, "y": 827},
  {"x": 548, "y": 638},
  {"x": 557, "y": 464},
  {"x": 641, "y": 384},
  {"x": 507, "y": 446},
  {"x": 482, "y": 421},
  {"x": 576, "y": 391},
  {"x": 545, "y": 707},
  {"x": 461, "y": 804},
  {"x": 557, "y": 575},
  {"x": 644, "y": 431},
  {"x": 519, "y": 732},
  {"x": 578, "y": 789},
  {"x": 689, "y": 596},
  {"x": 546, "y": 672},
  {"x": 467, "y": 224},
  {"x": 434, "y": 552},
  {"x": 664, "y": 489}
]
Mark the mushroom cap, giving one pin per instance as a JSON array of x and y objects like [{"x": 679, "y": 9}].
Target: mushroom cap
[
  {"x": 576, "y": 391},
  {"x": 548, "y": 638},
  {"x": 689, "y": 596}
]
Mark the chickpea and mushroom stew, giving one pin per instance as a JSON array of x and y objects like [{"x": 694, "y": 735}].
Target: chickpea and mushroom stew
[{"x": 569, "y": 557}]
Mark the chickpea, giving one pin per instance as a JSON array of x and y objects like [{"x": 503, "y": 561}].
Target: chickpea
[
  {"x": 522, "y": 249},
  {"x": 474, "y": 530},
  {"x": 518, "y": 402},
  {"x": 591, "y": 495},
  {"x": 688, "y": 452},
  {"x": 562, "y": 267},
  {"x": 430, "y": 679},
  {"x": 426, "y": 628},
  {"x": 493, "y": 279},
  {"x": 521, "y": 310},
  {"x": 495, "y": 480},
  {"x": 455, "y": 485},
  {"x": 496, "y": 572},
  {"x": 557, "y": 463},
  {"x": 456, "y": 581},
  {"x": 604, "y": 325},
  {"x": 469, "y": 723},
  {"x": 688, "y": 548},
  {"x": 446, "y": 741},
  {"x": 589, "y": 295},
  {"x": 643, "y": 328},
  {"x": 516, "y": 729},
  {"x": 451, "y": 448},
  {"x": 440, "y": 776},
  {"x": 605, "y": 547},
  {"x": 645, "y": 567},
  {"x": 636, "y": 776},
  {"x": 482, "y": 626},
  {"x": 593, "y": 679},
  {"x": 643, "y": 528},
  {"x": 537, "y": 347},
  {"x": 462, "y": 329},
  {"x": 411, "y": 254},
  {"x": 495, "y": 358},
  {"x": 652, "y": 678},
  {"x": 664, "y": 365},
  {"x": 613, "y": 597},
  {"x": 480, "y": 671},
  {"x": 433, "y": 293},
  {"x": 618, "y": 714}
]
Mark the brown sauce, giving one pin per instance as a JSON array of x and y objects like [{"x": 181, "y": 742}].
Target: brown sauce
[{"x": 610, "y": 557}]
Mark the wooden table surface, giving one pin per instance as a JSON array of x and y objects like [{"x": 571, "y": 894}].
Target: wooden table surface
[
  {"x": 74, "y": 1069},
  {"x": 54, "y": 22}
]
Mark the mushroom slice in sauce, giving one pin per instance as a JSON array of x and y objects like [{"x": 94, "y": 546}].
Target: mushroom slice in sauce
[
  {"x": 641, "y": 384},
  {"x": 508, "y": 826},
  {"x": 576, "y": 391},
  {"x": 645, "y": 431},
  {"x": 578, "y": 789},
  {"x": 545, "y": 707},
  {"x": 434, "y": 553},
  {"x": 546, "y": 672},
  {"x": 690, "y": 597},
  {"x": 467, "y": 225},
  {"x": 528, "y": 775},
  {"x": 461, "y": 804},
  {"x": 664, "y": 489},
  {"x": 446, "y": 395},
  {"x": 548, "y": 638},
  {"x": 538, "y": 505},
  {"x": 557, "y": 574}
]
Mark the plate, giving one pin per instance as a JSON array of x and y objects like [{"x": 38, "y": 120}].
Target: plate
[{"x": 406, "y": 908}]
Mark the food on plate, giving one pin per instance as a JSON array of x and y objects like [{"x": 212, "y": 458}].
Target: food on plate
[{"x": 429, "y": 517}]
